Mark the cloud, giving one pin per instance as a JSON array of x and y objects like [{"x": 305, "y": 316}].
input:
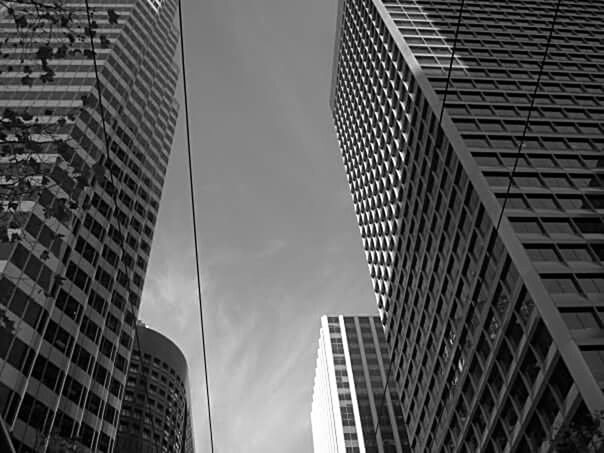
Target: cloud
[{"x": 261, "y": 341}]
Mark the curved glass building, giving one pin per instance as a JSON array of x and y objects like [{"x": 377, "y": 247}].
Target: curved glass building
[
  {"x": 156, "y": 413},
  {"x": 483, "y": 234}
]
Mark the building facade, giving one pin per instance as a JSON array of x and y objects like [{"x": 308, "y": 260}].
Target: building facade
[
  {"x": 156, "y": 413},
  {"x": 75, "y": 234},
  {"x": 350, "y": 394},
  {"x": 483, "y": 233}
]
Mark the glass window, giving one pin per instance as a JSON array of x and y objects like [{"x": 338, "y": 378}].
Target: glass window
[
  {"x": 570, "y": 202},
  {"x": 487, "y": 160},
  {"x": 554, "y": 181},
  {"x": 590, "y": 225},
  {"x": 592, "y": 284},
  {"x": 559, "y": 284},
  {"x": 498, "y": 180},
  {"x": 558, "y": 227},
  {"x": 505, "y": 110},
  {"x": 584, "y": 319},
  {"x": 540, "y": 161},
  {"x": 572, "y": 253},
  {"x": 542, "y": 253},
  {"x": 513, "y": 160},
  {"x": 514, "y": 202},
  {"x": 542, "y": 202},
  {"x": 526, "y": 226},
  {"x": 527, "y": 181},
  {"x": 476, "y": 142},
  {"x": 594, "y": 162},
  {"x": 595, "y": 361},
  {"x": 569, "y": 162},
  {"x": 586, "y": 181},
  {"x": 503, "y": 142}
]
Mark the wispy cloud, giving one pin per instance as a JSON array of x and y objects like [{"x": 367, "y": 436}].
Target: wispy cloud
[{"x": 261, "y": 343}]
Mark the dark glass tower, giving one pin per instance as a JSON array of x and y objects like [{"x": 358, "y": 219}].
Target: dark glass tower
[
  {"x": 350, "y": 395},
  {"x": 72, "y": 262},
  {"x": 162, "y": 421},
  {"x": 495, "y": 327}
]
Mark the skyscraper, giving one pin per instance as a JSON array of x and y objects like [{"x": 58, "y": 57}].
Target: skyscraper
[
  {"x": 483, "y": 233},
  {"x": 75, "y": 235},
  {"x": 350, "y": 393},
  {"x": 161, "y": 422}
]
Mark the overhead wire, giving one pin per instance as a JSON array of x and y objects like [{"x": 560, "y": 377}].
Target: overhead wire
[{"x": 194, "y": 224}]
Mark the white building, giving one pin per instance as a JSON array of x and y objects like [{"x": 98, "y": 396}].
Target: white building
[{"x": 349, "y": 392}]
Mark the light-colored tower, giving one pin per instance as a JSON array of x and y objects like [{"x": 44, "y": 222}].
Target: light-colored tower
[
  {"x": 350, "y": 393},
  {"x": 483, "y": 233},
  {"x": 72, "y": 261},
  {"x": 162, "y": 422}
]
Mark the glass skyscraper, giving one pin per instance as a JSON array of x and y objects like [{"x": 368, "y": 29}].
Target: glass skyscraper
[
  {"x": 72, "y": 262},
  {"x": 483, "y": 234},
  {"x": 156, "y": 413},
  {"x": 350, "y": 394}
]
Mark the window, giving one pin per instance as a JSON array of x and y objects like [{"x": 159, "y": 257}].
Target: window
[
  {"x": 503, "y": 142},
  {"x": 569, "y": 162},
  {"x": 69, "y": 305},
  {"x": 558, "y": 227},
  {"x": 587, "y": 319},
  {"x": 595, "y": 361},
  {"x": 559, "y": 284},
  {"x": 592, "y": 284},
  {"x": 514, "y": 160},
  {"x": 542, "y": 253},
  {"x": 527, "y": 181},
  {"x": 488, "y": 160},
  {"x": 577, "y": 253},
  {"x": 542, "y": 202},
  {"x": 554, "y": 181},
  {"x": 586, "y": 181},
  {"x": 540, "y": 161},
  {"x": 498, "y": 180},
  {"x": 572, "y": 202},
  {"x": 526, "y": 226},
  {"x": 561, "y": 380},
  {"x": 590, "y": 226}
]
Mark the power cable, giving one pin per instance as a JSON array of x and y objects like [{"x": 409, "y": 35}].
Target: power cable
[{"x": 194, "y": 221}]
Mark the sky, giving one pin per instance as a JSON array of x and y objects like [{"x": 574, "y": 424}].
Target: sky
[{"x": 279, "y": 243}]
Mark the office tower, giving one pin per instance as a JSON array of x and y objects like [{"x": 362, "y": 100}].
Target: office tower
[
  {"x": 161, "y": 421},
  {"x": 350, "y": 393},
  {"x": 74, "y": 246},
  {"x": 490, "y": 298}
]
